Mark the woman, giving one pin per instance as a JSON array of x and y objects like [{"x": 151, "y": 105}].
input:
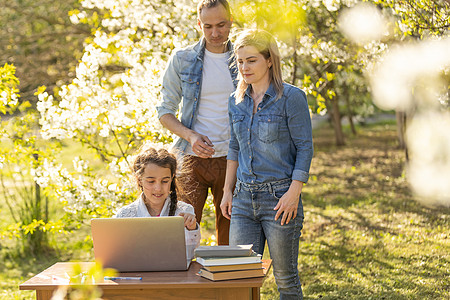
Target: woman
[
  {"x": 154, "y": 172},
  {"x": 268, "y": 160}
]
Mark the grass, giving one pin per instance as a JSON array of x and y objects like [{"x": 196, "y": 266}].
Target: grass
[{"x": 364, "y": 236}]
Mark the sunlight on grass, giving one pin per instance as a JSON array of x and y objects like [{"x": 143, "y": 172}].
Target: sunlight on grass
[{"x": 364, "y": 236}]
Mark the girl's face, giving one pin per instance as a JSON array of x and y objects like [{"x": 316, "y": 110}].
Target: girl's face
[
  {"x": 253, "y": 67},
  {"x": 156, "y": 183}
]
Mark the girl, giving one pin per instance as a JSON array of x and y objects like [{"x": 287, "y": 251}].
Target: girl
[
  {"x": 154, "y": 171},
  {"x": 268, "y": 160}
]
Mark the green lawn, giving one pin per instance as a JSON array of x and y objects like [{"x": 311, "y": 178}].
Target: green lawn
[{"x": 364, "y": 236}]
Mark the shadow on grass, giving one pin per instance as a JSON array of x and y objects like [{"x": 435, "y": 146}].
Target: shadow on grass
[
  {"x": 365, "y": 237},
  {"x": 16, "y": 263}
]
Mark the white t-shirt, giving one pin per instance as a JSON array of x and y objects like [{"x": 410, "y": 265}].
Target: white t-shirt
[{"x": 212, "y": 118}]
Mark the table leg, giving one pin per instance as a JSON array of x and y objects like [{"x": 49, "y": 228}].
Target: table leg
[
  {"x": 255, "y": 293},
  {"x": 44, "y": 294}
]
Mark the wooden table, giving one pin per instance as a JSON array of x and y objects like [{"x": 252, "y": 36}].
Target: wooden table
[{"x": 154, "y": 285}]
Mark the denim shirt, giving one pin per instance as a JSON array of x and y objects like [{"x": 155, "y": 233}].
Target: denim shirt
[
  {"x": 275, "y": 143},
  {"x": 182, "y": 80}
]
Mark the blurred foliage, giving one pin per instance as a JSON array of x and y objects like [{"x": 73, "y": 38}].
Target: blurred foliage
[
  {"x": 317, "y": 56},
  {"x": 419, "y": 18},
  {"x": 39, "y": 39},
  {"x": 83, "y": 283},
  {"x": 109, "y": 107},
  {"x": 208, "y": 223},
  {"x": 327, "y": 65},
  {"x": 8, "y": 89},
  {"x": 21, "y": 153}
]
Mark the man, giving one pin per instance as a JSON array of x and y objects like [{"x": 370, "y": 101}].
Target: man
[{"x": 203, "y": 76}]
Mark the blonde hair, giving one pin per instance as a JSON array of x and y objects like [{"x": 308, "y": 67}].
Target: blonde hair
[{"x": 266, "y": 44}]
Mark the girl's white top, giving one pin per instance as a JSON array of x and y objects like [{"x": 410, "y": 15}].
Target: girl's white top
[{"x": 137, "y": 209}]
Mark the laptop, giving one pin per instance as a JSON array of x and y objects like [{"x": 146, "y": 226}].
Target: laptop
[{"x": 140, "y": 244}]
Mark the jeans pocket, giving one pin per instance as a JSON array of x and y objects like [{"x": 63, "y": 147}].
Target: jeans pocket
[
  {"x": 278, "y": 193},
  {"x": 268, "y": 127},
  {"x": 235, "y": 192}
]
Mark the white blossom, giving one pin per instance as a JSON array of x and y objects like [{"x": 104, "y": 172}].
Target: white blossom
[
  {"x": 363, "y": 23},
  {"x": 429, "y": 167},
  {"x": 401, "y": 69}
]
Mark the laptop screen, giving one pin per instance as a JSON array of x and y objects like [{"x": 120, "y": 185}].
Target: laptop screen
[{"x": 140, "y": 244}]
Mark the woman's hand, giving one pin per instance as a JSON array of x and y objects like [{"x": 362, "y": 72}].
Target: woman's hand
[
  {"x": 288, "y": 203},
  {"x": 228, "y": 188},
  {"x": 189, "y": 221},
  {"x": 225, "y": 205}
]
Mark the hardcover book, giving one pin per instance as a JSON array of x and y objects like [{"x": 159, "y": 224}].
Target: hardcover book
[
  {"x": 215, "y": 276},
  {"x": 218, "y": 261},
  {"x": 233, "y": 267},
  {"x": 219, "y": 251}
]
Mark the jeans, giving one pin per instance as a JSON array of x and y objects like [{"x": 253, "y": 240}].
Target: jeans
[{"x": 252, "y": 222}]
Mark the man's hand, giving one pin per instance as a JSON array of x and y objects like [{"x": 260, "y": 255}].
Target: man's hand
[{"x": 201, "y": 145}]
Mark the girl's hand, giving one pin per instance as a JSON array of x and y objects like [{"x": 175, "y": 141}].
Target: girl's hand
[
  {"x": 189, "y": 221},
  {"x": 288, "y": 203}
]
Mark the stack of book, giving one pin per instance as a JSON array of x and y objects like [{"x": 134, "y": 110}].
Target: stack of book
[{"x": 228, "y": 262}]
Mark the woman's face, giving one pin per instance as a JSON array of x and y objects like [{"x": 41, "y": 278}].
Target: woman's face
[
  {"x": 253, "y": 67},
  {"x": 156, "y": 183}
]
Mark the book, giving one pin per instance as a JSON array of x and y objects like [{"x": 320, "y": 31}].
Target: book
[
  {"x": 215, "y": 276},
  {"x": 218, "y": 261},
  {"x": 233, "y": 267},
  {"x": 218, "y": 251}
]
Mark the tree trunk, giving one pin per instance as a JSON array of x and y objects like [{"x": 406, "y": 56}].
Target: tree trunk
[
  {"x": 295, "y": 60},
  {"x": 349, "y": 110},
  {"x": 336, "y": 121},
  {"x": 352, "y": 126},
  {"x": 37, "y": 237},
  {"x": 401, "y": 129},
  {"x": 401, "y": 126}
]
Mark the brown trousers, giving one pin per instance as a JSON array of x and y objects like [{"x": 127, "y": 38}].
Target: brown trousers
[{"x": 202, "y": 174}]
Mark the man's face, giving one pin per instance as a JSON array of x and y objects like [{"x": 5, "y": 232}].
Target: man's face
[{"x": 215, "y": 24}]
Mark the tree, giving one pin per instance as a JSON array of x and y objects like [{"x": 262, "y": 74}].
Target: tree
[
  {"x": 42, "y": 43},
  {"x": 319, "y": 58},
  {"x": 416, "y": 20},
  {"x": 110, "y": 105},
  {"x": 413, "y": 78},
  {"x": 20, "y": 157}
]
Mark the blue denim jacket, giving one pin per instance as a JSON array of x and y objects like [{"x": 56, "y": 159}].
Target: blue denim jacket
[
  {"x": 182, "y": 81},
  {"x": 275, "y": 143}
]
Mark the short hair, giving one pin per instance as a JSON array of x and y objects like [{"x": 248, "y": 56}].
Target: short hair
[
  {"x": 266, "y": 44},
  {"x": 212, "y": 3}
]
